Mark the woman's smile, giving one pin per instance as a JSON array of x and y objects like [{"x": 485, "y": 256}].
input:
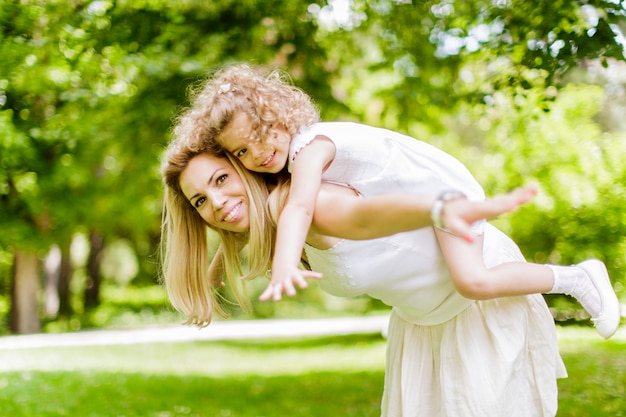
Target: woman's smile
[{"x": 233, "y": 214}]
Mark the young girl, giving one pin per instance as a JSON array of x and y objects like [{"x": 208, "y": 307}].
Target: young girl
[
  {"x": 447, "y": 356},
  {"x": 269, "y": 125}
]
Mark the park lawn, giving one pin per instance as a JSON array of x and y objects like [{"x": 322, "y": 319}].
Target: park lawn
[
  {"x": 334, "y": 376},
  {"x": 596, "y": 383}
]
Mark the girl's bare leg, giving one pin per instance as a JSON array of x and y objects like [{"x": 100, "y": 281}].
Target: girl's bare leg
[
  {"x": 474, "y": 280},
  {"x": 588, "y": 281}
]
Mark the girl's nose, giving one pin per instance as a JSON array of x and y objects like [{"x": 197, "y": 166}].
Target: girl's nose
[{"x": 257, "y": 151}]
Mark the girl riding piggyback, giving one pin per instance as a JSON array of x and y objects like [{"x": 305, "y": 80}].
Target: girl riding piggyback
[{"x": 271, "y": 127}]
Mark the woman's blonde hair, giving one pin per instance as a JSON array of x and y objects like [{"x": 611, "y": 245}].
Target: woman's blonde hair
[
  {"x": 266, "y": 96},
  {"x": 184, "y": 241}
]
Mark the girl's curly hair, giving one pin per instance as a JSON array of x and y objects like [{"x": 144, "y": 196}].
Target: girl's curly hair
[{"x": 266, "y": 96}]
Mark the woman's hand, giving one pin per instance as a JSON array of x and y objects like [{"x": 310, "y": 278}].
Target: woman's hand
[{"x": 284, "y": 280}]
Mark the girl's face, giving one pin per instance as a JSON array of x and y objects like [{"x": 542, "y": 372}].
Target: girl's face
[
  {"x": 215, "y": 189},
  {"x": 268, "y": 153}
]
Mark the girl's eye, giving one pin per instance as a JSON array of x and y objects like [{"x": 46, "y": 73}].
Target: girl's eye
[
  {"x": 221, "y": 179},
  {"x": 241, "y": 153},
  {"x": 200, "y": 201}
]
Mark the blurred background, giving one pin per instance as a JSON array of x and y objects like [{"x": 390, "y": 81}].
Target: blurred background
[{"x": 519, "y": 91}]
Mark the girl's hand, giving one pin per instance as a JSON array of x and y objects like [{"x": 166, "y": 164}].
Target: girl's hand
[
  {"x": 459, "y": 214},
  {"x": 284, "y": 280}
]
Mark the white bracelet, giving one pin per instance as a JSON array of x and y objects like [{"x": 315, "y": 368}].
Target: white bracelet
[{"x": 437, "y": 210}]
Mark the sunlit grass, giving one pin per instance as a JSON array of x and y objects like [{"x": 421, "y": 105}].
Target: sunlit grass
[
  {"x": 596, "y": 383},
  {"x": 225, "y": 358},
  {"x": 338, "y": 376},
  {"x": 333, "y": 376}
]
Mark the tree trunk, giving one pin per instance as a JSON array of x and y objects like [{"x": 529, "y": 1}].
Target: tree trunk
[
  {"x": 24, "y": 317},
  {"x": 92, "y": 287},
  {"x": 65, "y": 278}
]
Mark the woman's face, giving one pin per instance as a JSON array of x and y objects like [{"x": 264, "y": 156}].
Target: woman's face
[{"x": 215, "y": 189}]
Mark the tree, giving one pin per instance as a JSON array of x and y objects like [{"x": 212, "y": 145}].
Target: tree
[
  {"x": 88, "y": 90},
  {"x": 88, "y": 96},
  {"x": 43, "y": 99},
  {"x": 420, "y": 56}
]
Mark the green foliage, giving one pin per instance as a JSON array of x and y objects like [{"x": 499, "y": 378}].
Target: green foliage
[
  {"x": 88, "y": 90},
  {"x": 421, "y": 56},
  {"x": 516, "y": 140},
  {"x": 579, "y": 211},
  {"x": 121, "y": 307}
]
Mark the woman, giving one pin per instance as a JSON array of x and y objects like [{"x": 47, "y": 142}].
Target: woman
[{"x": 447, "y": 356}]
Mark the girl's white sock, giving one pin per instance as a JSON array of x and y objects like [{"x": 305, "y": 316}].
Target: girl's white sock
[{"x": 574, "y": 281}]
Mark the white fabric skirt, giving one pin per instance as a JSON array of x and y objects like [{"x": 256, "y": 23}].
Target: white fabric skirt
[{"x": 498, "y": 358}]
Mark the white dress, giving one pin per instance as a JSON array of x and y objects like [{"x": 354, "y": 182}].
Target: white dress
[{"x": 447, "y": 356}]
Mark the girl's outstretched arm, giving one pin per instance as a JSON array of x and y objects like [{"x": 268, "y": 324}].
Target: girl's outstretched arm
[
  {"x": 340, "y": 213},
  {"x": 295, "y": 220}
]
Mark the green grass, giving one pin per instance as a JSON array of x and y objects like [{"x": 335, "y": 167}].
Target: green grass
[
  {"x": 334, "y": 376},
  {"x": 338, "y": 376},
  {"x": 88, "y": 394},
  {"x": 596, "y": 383}
]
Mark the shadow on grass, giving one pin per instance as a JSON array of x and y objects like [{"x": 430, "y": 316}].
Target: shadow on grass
[{"x": 91, "y": 394}]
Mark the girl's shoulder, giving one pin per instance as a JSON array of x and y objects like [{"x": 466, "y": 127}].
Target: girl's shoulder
[
  {"x": 332, "y": 127},
  {"x": 335, "y": 131},
  {"x": 304, "y": 137},
  {"x": 349, "y": 139}
]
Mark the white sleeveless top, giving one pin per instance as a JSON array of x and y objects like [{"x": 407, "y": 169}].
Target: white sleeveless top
[
  {"x": 403, "y": 272},
  {"x": 407, "y": 270},
  {"x": 377, "y": 161}
]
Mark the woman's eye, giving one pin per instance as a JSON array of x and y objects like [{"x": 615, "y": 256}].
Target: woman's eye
[
  {"x": 200, "y": 201},
  {"x": 240, "y": 153},
  {"x": 221, "y": 179}
]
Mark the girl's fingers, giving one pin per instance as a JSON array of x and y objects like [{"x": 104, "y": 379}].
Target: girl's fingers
[
  {"x": 275, "y": 291},
  {"x": 267, "y": 294},
  {"x": 313, "y": 275}
]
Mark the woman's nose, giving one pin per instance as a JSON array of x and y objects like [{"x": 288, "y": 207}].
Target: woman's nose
[{"x": 217, "y": 198}]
